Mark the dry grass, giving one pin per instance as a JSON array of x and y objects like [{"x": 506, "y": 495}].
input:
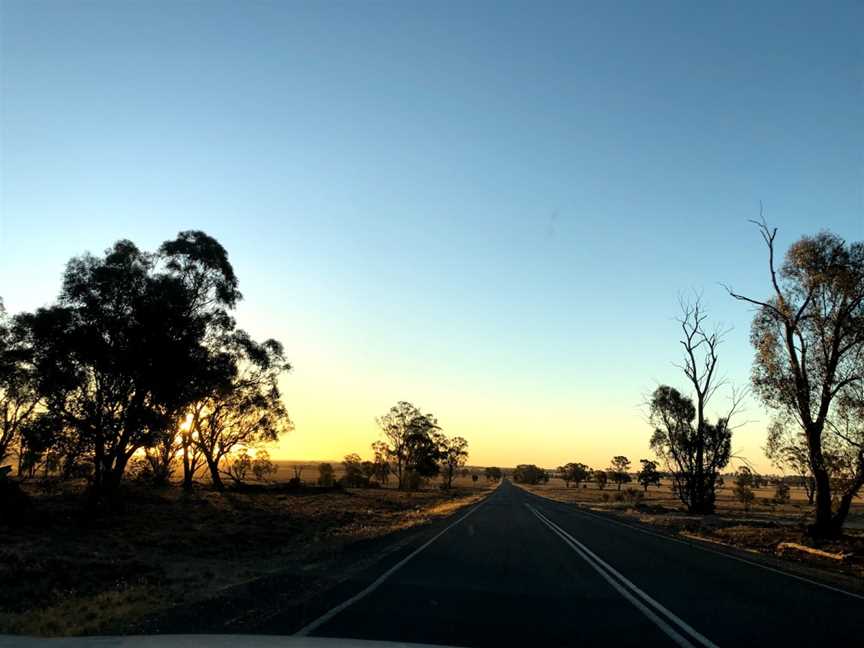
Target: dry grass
[
  {"x": 67, "y": 571},
  {"x": 663, "y": 497}
]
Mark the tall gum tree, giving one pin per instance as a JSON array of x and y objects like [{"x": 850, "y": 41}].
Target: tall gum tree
[{"x": 809, "y": 363}]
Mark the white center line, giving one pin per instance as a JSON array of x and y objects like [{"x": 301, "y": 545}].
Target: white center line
[
  {"x": 642, "y": 601},
  {"x": 696, "y": 544}
]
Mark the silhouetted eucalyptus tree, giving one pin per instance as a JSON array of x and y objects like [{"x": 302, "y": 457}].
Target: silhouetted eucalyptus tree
[
  {"x": 493, "y": 473},
  {"x": 619, "y": 470},
  {"x": 413, "y": 442},
  {"x": 245, "y": 410},
  {"x": 454, "y": 453},
  {"x": 648, "y": 475},
  {"x": 529, "y": 474},
  {"x": 694, "y": 450},
  {"x": 809, "y": 363},
  {"x": 574, "y": 472},
  {"x": 18, "y": 394},
  {"x": 119, "y": 355}
]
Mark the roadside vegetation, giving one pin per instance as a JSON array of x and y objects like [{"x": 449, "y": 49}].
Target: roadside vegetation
[
  {"x": 135, "y": 421},
  {"x": 808, "y": 371}
]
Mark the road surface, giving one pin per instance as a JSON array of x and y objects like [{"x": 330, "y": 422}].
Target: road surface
[{"x": 520, "y": 570}]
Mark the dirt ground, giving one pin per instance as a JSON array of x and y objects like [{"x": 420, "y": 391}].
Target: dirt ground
[
  {"x": 776, "y": 530},
  {"x": 66, "y": 571}
]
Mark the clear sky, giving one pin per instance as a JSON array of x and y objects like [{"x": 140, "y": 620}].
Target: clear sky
[{"x": 485, "y": 208}]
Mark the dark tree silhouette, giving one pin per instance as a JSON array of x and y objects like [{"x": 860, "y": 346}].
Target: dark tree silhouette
[
  {"x": 354, "y": 477},
  {"x": 325, "y": 474},
  {"x": 648, "y": 475},
  {"x": 809, "y": 363},
  {"x": 381, "y": 462},
  {"x": 454, "y": 453},
  {"x": 412, "y": 443},
  {"x": 246, "y": 410},
  {"x": 601, "y": 478},
  {"x": 119, "y": 356},
  {"x": 574, "y": 472},
  {"x": 529, "y": 474},
  {"x": 18, "y": 386},
  {"x": 492, "y": 473},
  {"x": 619, "y": 470},
  {"x": 694, "y": 450}
]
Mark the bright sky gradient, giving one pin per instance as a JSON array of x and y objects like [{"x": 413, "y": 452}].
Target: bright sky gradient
[{"x": 485, "y": 208}]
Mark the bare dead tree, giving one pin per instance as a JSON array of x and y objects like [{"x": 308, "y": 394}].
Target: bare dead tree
[{"x": 693, "y": 449}]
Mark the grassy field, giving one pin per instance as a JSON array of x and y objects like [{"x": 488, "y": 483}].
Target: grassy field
[
  {"x": 66, "y": 570},
  {"x": 765, "y": 527}
]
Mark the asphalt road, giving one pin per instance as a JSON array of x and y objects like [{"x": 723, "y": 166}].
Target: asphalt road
[{"x": 520, "y": 570}]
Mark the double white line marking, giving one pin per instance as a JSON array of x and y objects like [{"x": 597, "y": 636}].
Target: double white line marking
[{"x": 673, "y": 626}]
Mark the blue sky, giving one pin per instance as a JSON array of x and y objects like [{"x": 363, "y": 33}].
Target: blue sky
[{"x": 486, "y": 208}]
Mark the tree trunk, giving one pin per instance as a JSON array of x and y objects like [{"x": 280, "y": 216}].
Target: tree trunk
[
  {"x": 215, "y": 477},
  {"x": 98, "y": 465},
  {"x": 187, "y": 467},
  {"x": 822, "y": 527}
]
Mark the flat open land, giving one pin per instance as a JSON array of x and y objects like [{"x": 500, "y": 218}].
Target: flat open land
[
  {"x": 764, "y": 528},
  {"x": 66, "y": 570}
]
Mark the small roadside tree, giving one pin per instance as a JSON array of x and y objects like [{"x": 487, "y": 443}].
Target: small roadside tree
[
  {"x": 529, "y": 474},
  {"x": 781, "y": 492},
  {"x": 412, "y": 442},
  {"x": 577, "y": 473},
  {"x": 354, "y": 476},
  {"x": 743, "y": 489},
  {"x": 648, "y": 475},
  {"x": 693, "y": 449},
  {"x": 619, "y": 470},
  {"x": 381, "y": 461},
  {"x": 262, "y": 466},
  {"x": 325, "y": 474},
  {"x": 492, "y": 473},
  {"x": 454, "y": 454},
  {"x": 601, "y": 478}
]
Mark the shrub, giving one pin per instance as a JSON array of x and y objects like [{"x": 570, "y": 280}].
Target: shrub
[
  {"x": 413, "y": 480},
  {"x": 325, "y": 474},
  {"x": 262, "y": 467},
  {"x": 633, "y": 494},
  {"x": 781, "y": 493}
]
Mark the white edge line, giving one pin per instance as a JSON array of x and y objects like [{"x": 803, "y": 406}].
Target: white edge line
[
  {"x": 324, "y": 618},
  {"x": 668, "y": 630},
  {"x": 658, "y": 606},
  {"x": 696, "y": 544}
]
